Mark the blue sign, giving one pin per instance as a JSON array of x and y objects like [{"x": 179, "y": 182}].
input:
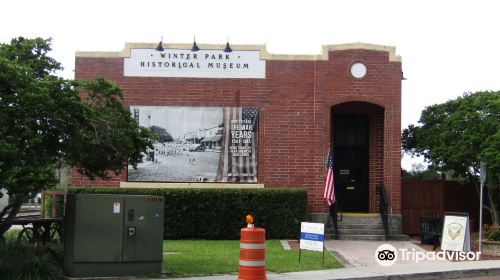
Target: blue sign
[{"x": 312, "y": 236}]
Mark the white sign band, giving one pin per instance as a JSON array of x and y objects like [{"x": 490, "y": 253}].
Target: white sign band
[
  {"x": 252, "y": 263},
  {"x": 252, "y": 246},
  {"x": 201, "y": 64}
]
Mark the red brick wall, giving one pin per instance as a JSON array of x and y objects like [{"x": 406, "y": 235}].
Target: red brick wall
[{"x": 294, "y": 102}]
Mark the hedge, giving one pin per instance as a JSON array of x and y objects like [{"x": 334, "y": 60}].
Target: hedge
[
  {"x": 220, "y": 213},
  {"x": 23, "y": 260},
  {"x": 492, "y": 232},
  {"x": 47, "y": 207}
]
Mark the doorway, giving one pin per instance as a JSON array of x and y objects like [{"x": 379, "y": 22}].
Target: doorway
[{"x": 350, "y": 161}]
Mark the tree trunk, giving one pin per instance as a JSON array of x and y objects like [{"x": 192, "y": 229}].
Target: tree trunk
[
  {"x": 495, "y": 217},
  {"x": 14, "y": 207}
]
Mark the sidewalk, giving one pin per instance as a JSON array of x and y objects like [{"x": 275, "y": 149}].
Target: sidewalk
[{"x": 358, "y": 258}]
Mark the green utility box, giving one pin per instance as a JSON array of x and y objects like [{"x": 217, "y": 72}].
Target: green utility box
[{"x": 113, "y": 235}]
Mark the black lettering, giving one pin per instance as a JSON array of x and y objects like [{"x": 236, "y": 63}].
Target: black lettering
[
  {"x": 220, "y": 56},
  {"x": 198, "y": 65},
  {"x": 162, "y": 55},
  {"x": 238, "y": 65},
  {"x": 195, "y": 56},
  {"x": 210, "y": 65},
  {"x": 231, "y": 65},
  {"x": 207, "y": 56},
  {"x": 227, "y": 56},
  {"x": 182, "y": 56},
  {"x": 245, "y": 65},
  {"x": 143, "y": 64},
  {"x": 213, "y": 57},
  {"x": 175, "y": 55},
  {"x": 153, "y": 64}
]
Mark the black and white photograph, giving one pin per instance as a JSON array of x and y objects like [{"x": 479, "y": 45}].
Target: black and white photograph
[{"x": 198, "y": 144}]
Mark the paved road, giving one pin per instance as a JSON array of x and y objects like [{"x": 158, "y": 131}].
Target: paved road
[
  {"x": 185, "y": 167},
  {"x": 494, "y": 277}
]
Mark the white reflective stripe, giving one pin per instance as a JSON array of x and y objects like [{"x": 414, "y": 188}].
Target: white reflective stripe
[
  {"x": 252, "y": 263},
  {"x": 252, "y": 246}
]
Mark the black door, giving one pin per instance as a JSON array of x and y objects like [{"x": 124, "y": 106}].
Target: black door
[{"x": 350, "y": 163}]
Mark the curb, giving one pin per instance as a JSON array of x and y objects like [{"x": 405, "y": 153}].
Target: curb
[
  {"x": 425, "y": 276},
  {"x": 433, "y": 275}
]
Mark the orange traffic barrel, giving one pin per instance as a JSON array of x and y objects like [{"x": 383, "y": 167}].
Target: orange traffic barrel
[{"x": 252, "y": 254}]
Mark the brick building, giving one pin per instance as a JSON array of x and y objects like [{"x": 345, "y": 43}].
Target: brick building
[{"x": 348, "y": 97}]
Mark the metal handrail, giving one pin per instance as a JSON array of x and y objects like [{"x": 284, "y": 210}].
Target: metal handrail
[
  {"x": 334, "y": 210},
  {"x": 384, "y": 209}
]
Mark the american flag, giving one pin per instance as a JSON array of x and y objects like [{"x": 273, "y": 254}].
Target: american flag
[
  {"x": 238, "y": 160},
  {"x": 329, "y": 191}
]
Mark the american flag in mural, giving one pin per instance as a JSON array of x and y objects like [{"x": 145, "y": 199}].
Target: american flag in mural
[{"x": 238, "y": 156}]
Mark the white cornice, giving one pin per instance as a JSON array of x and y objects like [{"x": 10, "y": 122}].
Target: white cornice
[{"x": 264, "y": 54}]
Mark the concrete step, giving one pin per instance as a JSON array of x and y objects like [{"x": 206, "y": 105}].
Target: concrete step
[
  {"x": 359, "y": 226},
  {"x": 356, "y": 216},
  {"x": 357, "y": 231},
  {"x": 372, "y": 219},
  {"x": 369, "y": 237},
  {"x": 361, "y": 231}
]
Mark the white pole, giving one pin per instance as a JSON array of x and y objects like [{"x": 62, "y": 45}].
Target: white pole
[
  {"x": 481, "y": 218},
  {"x": 482, "y": 176}
]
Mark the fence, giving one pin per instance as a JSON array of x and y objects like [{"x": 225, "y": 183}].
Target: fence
[{"x": 433, "y": 198}]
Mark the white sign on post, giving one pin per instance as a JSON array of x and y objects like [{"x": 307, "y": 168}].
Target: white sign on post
[
  {"x": 312, "y": 236},
  {"x": 456, "y": 233},
  {"x": 116, "y": 207}
]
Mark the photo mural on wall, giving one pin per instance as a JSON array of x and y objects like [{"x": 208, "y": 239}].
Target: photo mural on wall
[{"x": 198, "y": 144}]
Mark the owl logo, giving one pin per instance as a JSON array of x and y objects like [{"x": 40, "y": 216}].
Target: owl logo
[{"x": 454, "y": 230}]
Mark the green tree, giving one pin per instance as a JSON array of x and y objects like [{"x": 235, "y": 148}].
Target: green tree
[
  {"x": 47, "y": 121},
  {"x": 162, "y": 134},
  {"x": 457, "y": 135},
  {"x": 420, "y": 172}
]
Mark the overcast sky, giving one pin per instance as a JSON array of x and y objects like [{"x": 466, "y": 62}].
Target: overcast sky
[{"x": 448, "y": 47}]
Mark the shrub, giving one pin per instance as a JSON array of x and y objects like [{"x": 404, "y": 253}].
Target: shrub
[
  {"x": 492, "y": 233},
  {"x": 20, "y": 260},
  {"x": 220, "y": 213}
]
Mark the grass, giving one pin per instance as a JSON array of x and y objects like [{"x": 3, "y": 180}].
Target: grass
[
  {"x": 187, "y": 258},
  {"x": 11, "y": 235}
]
